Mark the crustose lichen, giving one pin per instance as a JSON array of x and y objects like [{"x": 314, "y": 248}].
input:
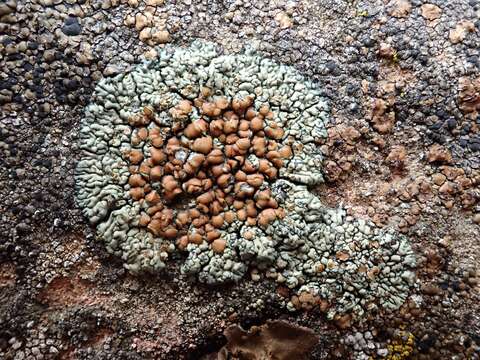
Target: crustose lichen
[{"x": 212, "y": 155}]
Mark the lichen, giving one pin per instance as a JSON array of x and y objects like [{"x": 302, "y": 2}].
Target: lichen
[
  {"x": 159, "y": 152},
  {"x": 401, "y": 347},
  {"x": 277, "y": 339}
]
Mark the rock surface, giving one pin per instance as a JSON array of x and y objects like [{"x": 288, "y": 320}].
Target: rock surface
[{"x": 401, "y": 152}]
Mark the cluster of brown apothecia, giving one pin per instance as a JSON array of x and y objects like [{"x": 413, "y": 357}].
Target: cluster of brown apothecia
[{"x": 199, "y": 176}]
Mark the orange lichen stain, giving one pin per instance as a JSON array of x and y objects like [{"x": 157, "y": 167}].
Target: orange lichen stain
[
  {"x": 7, "y": 274},
  {"x": 68, "y": 354},
  {"x": 66, "y": 291},
  {"x": 100, "y": 337}
]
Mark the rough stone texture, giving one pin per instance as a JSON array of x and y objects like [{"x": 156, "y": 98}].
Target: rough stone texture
[{"x": 389, "y": 71}]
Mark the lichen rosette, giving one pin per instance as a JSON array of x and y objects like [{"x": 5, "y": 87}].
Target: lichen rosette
[{"x": 213, "y": 156}]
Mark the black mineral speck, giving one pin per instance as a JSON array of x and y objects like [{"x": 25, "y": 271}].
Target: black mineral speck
[
  {"x": 23, "y": 228},
  {"x": 474, "y": 146},
  {"x": 451, "y": 123},
  {"x": 71, "y": 26}
]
